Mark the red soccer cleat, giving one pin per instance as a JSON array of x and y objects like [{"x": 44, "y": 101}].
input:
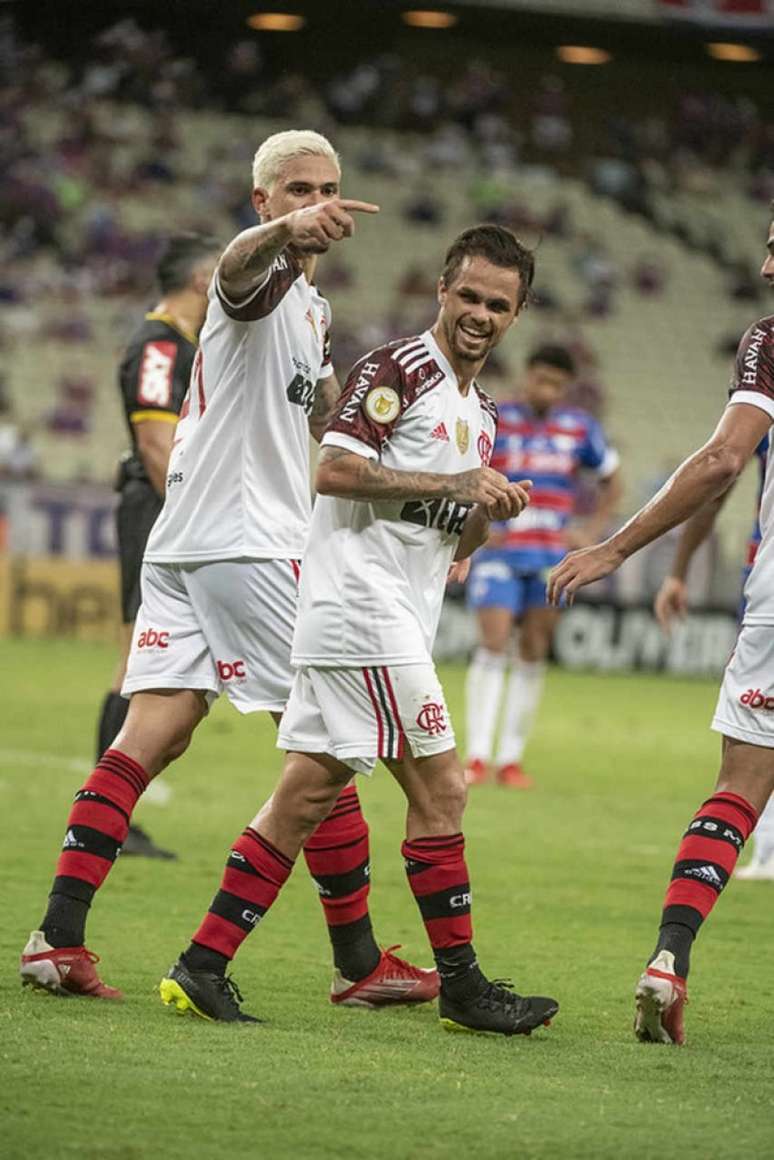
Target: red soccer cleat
[
  {"x": 63, "y": 971},
  {"x": 392, "y": 981},
  {"x": 514, "y": 776},
  {"x": 476, "y": 772},
  {"x": 660, "y": 997}
]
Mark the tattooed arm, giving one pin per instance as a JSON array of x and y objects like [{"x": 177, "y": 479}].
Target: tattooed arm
[
  {"x": 326, "y": 395},
  {"x": 247, "y": 259},
  {"x": 351, "y": 476}
]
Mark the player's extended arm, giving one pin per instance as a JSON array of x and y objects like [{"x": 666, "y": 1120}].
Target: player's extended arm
[
  {"x": 348, "y": 475},
  {"x": 247, "y": 259},
  {"x": 609, "y": 492},
  {"x": 154, "y": 446},
  {"x": 326, "y": 395},
  {"x": 672, "y": 597},
  {"x": 707, "y": 473}
]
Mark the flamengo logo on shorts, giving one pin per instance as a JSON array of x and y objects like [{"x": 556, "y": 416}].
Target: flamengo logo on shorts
[
  {"x": 431, "y": 718},
  {"x": 754, "y": 699},
  {"x": 153, "y": 639},
  {"x": 227, "y": 670}
]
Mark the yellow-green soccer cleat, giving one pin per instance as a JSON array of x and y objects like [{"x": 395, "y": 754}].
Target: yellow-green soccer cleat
[{"x": 210, "y": 996}]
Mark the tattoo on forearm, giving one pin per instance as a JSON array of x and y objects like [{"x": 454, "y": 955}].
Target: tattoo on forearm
[
  {"x": 372, "y": 480},
  {"x": 251, "y": 253},
  {"x": 325, "y": 398}
]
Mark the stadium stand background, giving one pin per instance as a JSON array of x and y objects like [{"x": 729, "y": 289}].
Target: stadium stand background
[{"x": 644, "y": 183}]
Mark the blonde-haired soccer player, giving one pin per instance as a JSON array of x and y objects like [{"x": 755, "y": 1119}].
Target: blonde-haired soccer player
[{"x": 221, "y": 570}]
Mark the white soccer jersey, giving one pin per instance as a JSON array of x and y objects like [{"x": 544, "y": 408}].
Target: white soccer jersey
[
  {"x": 374, "y": 574},
  {"x": 753, "y": 383},
  {"x": 238, "y": 480}
]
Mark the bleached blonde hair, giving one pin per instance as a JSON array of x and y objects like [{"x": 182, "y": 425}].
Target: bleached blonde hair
[{"x": 280, "y": 148}]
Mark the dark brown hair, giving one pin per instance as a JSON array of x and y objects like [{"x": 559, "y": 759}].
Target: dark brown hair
[
  {"x": 553, "y": 355},
  {"x": 499, "y": 246},
  {"x": 181, "y": 253}
]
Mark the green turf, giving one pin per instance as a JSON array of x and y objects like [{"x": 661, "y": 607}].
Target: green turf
[{"x": 568, "y": 882}]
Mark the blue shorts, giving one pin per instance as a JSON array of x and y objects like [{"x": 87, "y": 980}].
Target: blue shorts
[{"x": 494, "y": 583}]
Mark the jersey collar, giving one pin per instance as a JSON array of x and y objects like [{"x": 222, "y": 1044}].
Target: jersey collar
[{"x": 160, "y": 316}]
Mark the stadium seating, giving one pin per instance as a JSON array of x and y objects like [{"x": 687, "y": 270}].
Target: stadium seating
[{"x": 656, "y": 355}]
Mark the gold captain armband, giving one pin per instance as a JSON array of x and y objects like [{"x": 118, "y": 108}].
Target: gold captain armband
[{"x": 163, "y": 416}]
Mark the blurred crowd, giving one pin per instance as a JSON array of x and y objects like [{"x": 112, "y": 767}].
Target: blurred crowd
[{"x": 96, "y": 161}]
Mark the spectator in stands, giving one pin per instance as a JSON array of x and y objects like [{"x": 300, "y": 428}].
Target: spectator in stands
[{"x": 18, "y": 457}]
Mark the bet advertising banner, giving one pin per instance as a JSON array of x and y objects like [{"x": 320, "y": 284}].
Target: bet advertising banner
[
  {"x": 58, "y": 568},
  {"x": 607, "y": 637}
]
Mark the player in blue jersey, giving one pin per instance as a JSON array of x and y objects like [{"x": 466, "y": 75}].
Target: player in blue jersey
[
  {"x": 542, "y": 438},
  {"x": 672, "y": 603}
]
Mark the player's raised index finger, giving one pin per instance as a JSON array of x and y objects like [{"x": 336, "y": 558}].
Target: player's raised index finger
[{"x": 358, "y": 206}]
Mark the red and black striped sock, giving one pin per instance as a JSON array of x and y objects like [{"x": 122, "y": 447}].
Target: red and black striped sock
[
  {"x": 337, "y": 855},
  {"x": 705, "y": 861},
  {"x": 96, "y": 828},
  {"x": 439, "y": 881},
  {"x": 255, "y": 873}
]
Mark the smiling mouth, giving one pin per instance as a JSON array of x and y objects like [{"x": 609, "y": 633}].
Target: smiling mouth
[{"x": 474, "y": 335}]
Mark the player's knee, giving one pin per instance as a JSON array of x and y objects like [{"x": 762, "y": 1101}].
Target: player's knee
[
  {"x": 303, "y": 796},
  {"x": 533, "y": 651},
  {"x": 175, "y": 749},
  {"x": 440, "y": 811},
  {"x": 495, "y": 642},
  {"x": 312, "y": 806}
]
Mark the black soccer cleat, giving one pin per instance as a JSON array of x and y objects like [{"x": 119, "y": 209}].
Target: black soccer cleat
[
  {"x": 203, "y": 993},
  {"x": 497, "y": 1010},
  {"x": 138, "y": 844}
]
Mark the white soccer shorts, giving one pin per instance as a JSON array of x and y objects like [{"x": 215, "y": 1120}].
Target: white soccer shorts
[
  {"x": 745, "y": 708},
  {"x": 360, "y": 715},
  {"x": 222, "y": 626}
]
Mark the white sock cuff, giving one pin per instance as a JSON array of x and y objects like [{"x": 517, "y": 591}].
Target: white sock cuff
[
  {"x": 490, "y": 660},
  {"x": 531, "y": 668}
]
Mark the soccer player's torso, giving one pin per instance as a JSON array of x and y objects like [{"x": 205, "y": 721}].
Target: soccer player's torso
[
  {"x": 753, "y": 382},
  {"x": 549, "y": 450},
  {"x": 238, "y": 481},
  {"x": 374, "y": 574},
  {"x": 153, "y": 379}
]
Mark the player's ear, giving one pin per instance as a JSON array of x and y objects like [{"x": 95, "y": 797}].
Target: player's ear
[
  {"x": 260, "y": 198},
  {"x": 441, "y": 291}
]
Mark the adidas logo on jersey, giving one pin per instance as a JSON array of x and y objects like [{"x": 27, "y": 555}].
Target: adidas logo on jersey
[
  {"x": 440, "y": 433},
  {"x": 706, "y": 874}
]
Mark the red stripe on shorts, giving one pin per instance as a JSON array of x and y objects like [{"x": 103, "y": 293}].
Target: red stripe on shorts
[
  {"x": 377, "y": 711},
  {"x": 395, "y": 713}
]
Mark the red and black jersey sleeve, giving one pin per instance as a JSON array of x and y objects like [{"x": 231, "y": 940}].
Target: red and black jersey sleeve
[
  {"x": 283, "y": 272},
  {"x": 380, "y": 389},
  {"x": 754, "y": 365},
  {"x": 371, "y": 402},
  {"x": 155, "y": 372}
]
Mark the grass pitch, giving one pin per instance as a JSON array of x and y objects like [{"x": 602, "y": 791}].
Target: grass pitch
[{"x": 568, "y": 881}]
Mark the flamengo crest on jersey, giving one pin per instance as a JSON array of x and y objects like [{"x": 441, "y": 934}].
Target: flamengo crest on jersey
[
  {"x": 238, "y": 481},
  {"x": 549, "y": 450},
  {"x": 374, "y": 573},
  {"x": 753, "y": 383}
]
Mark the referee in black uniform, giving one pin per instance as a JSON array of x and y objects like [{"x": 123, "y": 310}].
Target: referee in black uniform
[{"x": 153, "y": 378}]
